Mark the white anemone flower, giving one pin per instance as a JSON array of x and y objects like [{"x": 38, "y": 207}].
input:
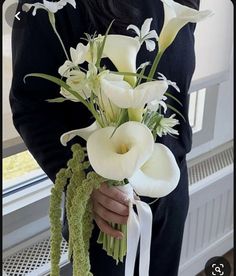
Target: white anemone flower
[
  {"x": 177, "y": 16},
  {"x": 145, "y": 35},
  {"x": 122, "y": 94},
  {"x": 82, "y": 132},
  {"x": 119, "y": 155},
  {"x": 158, "y": 176},
  {"x": 50, "y": 6}
]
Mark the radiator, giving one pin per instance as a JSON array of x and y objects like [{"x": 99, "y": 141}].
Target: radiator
[
  {"x": 209, "y": 225},
  {"x": 208, "y": 229}
]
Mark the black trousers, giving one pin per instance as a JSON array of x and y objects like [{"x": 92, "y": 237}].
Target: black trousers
[{"x": 169, "y": 214}]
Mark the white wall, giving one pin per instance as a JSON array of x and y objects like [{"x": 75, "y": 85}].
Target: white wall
[{"x": 223, "y": 131}]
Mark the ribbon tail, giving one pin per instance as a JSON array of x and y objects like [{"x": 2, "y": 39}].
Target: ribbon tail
[
  {"x": 145, "y": 221},
  {"x": 133, "y": 234}
]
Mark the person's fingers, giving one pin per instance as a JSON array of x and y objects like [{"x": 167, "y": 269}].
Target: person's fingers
[
  {"x": 111, "y": 204},
  {"x": 114, "y": 193},
  {"x": 108, "y": 215},
  {"x": 106, "y": 228}
]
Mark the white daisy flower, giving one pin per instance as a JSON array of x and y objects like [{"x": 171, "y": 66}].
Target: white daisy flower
[{"x": 166, "y": 126}]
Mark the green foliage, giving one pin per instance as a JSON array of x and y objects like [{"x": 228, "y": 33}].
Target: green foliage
[
  {"x": 79, "y": 212},
  {"x": 152, "y": 120}
]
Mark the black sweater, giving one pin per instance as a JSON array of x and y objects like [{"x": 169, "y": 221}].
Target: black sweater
[{"x": 36, "y": 49}]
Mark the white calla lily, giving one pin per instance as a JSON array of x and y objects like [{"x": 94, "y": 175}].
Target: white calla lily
[
  {"x": 175, "y": 17},
  {"x": 119, "y": 155},
  {"x": 49, "y": 6},
  {"x": 158, "y": 176},
  {"x": 122, "y": 51},
  {"x": 82, "y": 132},
  {"x": 122, "y": 94}
]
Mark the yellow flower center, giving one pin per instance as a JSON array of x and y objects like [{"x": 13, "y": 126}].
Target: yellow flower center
[{"x": 123, "y": 148}]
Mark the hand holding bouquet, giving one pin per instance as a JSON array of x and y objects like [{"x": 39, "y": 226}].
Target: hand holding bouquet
[{"x": 128, "y": 107}]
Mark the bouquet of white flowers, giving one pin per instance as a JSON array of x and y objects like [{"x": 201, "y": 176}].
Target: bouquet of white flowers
[{"x": 121, "y": 149}]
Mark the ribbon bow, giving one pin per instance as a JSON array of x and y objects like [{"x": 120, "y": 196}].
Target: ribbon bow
[{"x": 139, "y": 226}]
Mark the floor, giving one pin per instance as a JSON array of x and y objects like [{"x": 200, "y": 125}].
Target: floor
[{"x": 66, "y": 271}]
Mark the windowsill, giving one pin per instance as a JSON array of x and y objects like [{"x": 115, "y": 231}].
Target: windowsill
[{"x": 27, "y": 195}]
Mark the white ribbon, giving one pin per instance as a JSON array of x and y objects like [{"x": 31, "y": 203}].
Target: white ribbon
[{"x": 138, "y": 226}]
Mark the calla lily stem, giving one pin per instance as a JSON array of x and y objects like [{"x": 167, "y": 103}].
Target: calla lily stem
[{"x": 154, "y": 65}]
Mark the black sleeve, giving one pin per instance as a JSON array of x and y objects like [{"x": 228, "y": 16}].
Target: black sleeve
[
  {"x": 35, "y": 48},
  {"x": 190, "y": 3}
]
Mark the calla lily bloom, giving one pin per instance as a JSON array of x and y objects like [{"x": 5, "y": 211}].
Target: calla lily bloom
[
  {"x": 158, "y": 176},
  {"x": 122, "y": 51},
  {"x": 122, "y": 94},
  {"x": 177, "y": 16},
  {"x": 82, "y": 132},
  {"x": 119, "y": 155}
]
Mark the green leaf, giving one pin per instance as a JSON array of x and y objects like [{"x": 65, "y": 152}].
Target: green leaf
[
  {"x": 100, "y": 51},
  {"x": 132, "y": 74},
  {"x": 124, "y": 117},
  {"x": 175, "y": 110},
  {"x": 57, "y": 100},
  {"x": 58, "y": 82},
  {"x": 141, "y": 75},
  {"x": 173, "y": 97}
]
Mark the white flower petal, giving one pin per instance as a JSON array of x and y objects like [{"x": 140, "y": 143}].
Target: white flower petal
[
  {"x": 72, "y": 2},
  {"x": 54, "y": 6},
  {"x": 146, "y": 27},
  {"x": 35, "y": 6},
  {"x": 49, "y": 6},
  {"x": 82, "y": 132},
  {"x": 163, "y": 104},
  {"x": 134, "y": 28},
  {"x": 124, "y": 96},
  {"x": 152, "y": 34},
  {"x": 105, "y": 154},
  {"x": 68, "y": 95},
  {"x": 64, "y": 70},
  {"x": 142, "y": 65},
  {"x": 77, "y": 82},
  {"x": 119, "y": 92},
  {"x": 80, "y": 54},
  {"x": 150, "y": 45},
  {"x": 158, "y": 176},
  {"x": 147, "y": 92}
]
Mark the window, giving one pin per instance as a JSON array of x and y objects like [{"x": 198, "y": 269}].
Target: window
[
  {"x": 17, "y": 168},
  {"x": 196, "y": 109}
]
